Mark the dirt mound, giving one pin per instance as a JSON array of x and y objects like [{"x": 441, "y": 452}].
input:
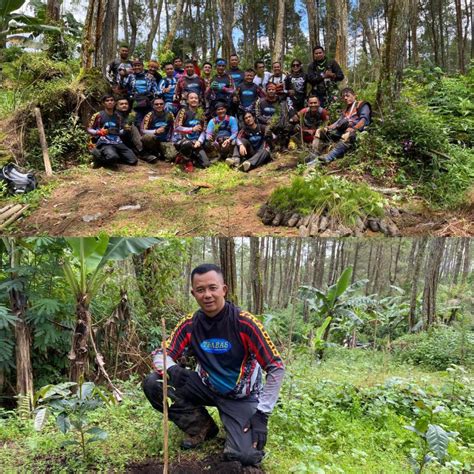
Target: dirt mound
[{"x": 212, "y": 464}]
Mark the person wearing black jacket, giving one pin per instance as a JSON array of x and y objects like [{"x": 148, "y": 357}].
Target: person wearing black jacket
[
  {"x": 323, "y": 75},
  {"x": 232, "y": 349},
  {"x": 296, "y": 84}
]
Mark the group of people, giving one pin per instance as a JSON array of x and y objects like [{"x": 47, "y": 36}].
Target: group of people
[{"x": 195, "y": 115}]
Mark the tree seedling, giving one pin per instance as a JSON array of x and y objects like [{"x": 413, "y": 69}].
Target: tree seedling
[{"x": 70, "y": 403}]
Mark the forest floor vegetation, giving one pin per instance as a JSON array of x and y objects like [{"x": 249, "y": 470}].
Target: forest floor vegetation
[{"x": 347, "y": 414}]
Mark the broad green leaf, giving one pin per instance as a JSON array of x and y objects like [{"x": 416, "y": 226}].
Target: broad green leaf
[
  {"x": 97, "y": 433},
  {"x": 86, "y": 390},
  {"x": 40, "y": 418},
  {"x": 69, "y": 442},
  {"x": 341, "y": 285},
  {"x": 63, "y": 422},
  {"x": 422, "y": 424},
  {"x": 9, "y": 6},
  {"x": 438, "y": 441},
  {"x": 320, "y": 331},
  {"x": 120, "y": 248}
]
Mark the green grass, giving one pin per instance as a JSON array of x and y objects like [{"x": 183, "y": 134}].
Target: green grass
[
  {"x": 331, "y": 195},
  {"x": 345, "y": 415}
]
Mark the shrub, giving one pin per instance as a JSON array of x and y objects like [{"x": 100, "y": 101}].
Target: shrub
[
  {"x": 331, "y": 195},
  {"x": 437, "y": 348}
]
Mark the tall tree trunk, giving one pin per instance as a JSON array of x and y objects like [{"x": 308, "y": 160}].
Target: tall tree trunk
[
  {"x": 419, "y": 255},
  {"x": 368, "y": 31},
  {"x": 279, "y": 32},
  {"x": 414, "y": 19},
  {"x": 312, "y": 23},
  {"x": 123, "y": 8},
  {"x": 435, "y": 253},
  {"x": 229, "y": 266},
  {"x": 174, "y": 25},
  {"x": 18, "y": 304},
  {"x": 256, "y": 276},
  {"x": 53, "y": 11},
  {"x": 394, "y": 53},
  {"x": 467, "y": 259},
  {"x": 100, "y": 34},
  {"x": 460, "y": 37},
  {"x": 342, "y": 28},
  {"x": 132, "y": 19},
  {"x": 153, "y": 29},
  {"x": 227, "y": 16},
  {"x": 79, "y": 354}
]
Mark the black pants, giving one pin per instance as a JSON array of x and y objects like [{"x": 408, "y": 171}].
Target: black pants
[
  {"x": 255, "y": 158},
  {"x": 189, "y": 414},
  {"x": 197, "y": 155},
  {"x": 112, "y": 154}
]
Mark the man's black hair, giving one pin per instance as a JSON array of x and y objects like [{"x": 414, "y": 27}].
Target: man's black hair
[
  {"x": 318, "y": 47},
  {"x": 234, "y": 54},
  {"x": 258, "y": 62},
  {"x": 122, "y": 97},
  {"x": 207, "y": 62},
  {"x": 206, "y": 268},
  {"x": 105, "y": 97},
  {"x": 314, "y": 96},
  {"x": 250, "y": 70},
  {"x": 177, "y": 57},
  {"x": 124, "y": 45},
  {"x": 167, "y": 64},
  {"x": 276, "y": 62},
  {"x": 347, "y": 90}
]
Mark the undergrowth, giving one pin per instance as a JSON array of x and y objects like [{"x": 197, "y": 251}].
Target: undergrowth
[
  {"x": 347, "y": 414},
  {"x": 330, "y": 195}
]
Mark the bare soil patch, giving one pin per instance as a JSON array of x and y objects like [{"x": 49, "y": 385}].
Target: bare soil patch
[{"x": 159, "y": 199}]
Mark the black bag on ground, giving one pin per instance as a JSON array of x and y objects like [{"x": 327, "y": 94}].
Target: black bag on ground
[{"x": 16, "y": 181}]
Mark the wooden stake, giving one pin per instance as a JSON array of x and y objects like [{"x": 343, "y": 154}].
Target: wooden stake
[
  {"x": 44, "y": 144},
  {"x": 10, "y": 211},
  {"x": 13, "y": 218},
  {"x": 165, "y": 400}
]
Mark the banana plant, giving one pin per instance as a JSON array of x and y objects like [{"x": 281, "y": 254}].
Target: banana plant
[
  {"x": 85, "y": 270},
  {"x": 329, "y": 303}
]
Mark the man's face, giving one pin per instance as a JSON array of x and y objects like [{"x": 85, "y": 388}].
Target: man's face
[
  {"x": 221, "y": 111},
  {"x": 153, "y": 68},
  {"x": 178, "y": 63},
  {"x": 189, "y": 69},
  {"x": 169, "y": 70},
  {"x": 271, "y": 91},
  {"x": 137, "y": 68},
  {"x": 313, "y": 103},
  {"x": 209, "y": 291},
  {"x": 193, "y": 99},
  {"x": 220, "y": 68},
  {"x": 123, "y": 52},
  {"x": 207, "y": 68},
  {"x": 109, "y": 103},
  {"x": 249, "y": 120},
  {"x": 349, "y": 98},
  {"x": 248, "y": 77},
  {"x": 122, "y": 105},
  {"x": 277, "y": 69},
  {"x": 158, "y": 105},
  {"x": 234, "y": 61},
  {"x": 318, "y": 55},
  {"x": 260, "y": 68}
]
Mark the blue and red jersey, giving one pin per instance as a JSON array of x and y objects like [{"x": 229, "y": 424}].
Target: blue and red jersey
[{"x": 231, "y": 349}]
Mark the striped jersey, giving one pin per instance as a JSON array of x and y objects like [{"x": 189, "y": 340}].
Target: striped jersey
[{"x": 231, "y": 349}]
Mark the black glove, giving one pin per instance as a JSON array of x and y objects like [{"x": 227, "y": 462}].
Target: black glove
[
  {"x": 258, "y": 424},
  {"x": 179, "y": 376}
]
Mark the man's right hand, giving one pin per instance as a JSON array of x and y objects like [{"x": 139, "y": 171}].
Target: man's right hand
[
  {"x": 243, "y": 150},
  {"x": 179, "y": 376}
]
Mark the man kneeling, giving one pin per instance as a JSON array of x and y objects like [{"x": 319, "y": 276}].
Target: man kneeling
[
  {"x": 231, "y": 348},
  {"x": 353, "y": 119}
]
